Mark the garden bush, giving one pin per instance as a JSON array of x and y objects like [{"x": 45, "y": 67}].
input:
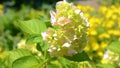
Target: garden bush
[{"x": 69, "y": 37}]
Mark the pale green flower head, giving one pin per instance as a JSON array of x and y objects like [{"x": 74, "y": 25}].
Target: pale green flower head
[{"x": 70, "y": 37}]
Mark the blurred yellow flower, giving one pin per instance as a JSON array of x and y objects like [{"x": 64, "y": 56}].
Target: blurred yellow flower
[
  {"x": 114, "y": 32},
  {"x": 109, "y": 14},
  {"x": 1, "y": 6},
  {"x": 103, "y": 45},
  {"x": 110, "y": 24},
  {"x": 100, "y": 53},
  {"x": 104, "y": 35},
  {"x": 1, "y": 9},
  {"x": 87, "y": 15},
  {"x": 95, "y": 46},
  {"x": 104, "y": 61},
  {"x": 1, "y": 12},
  {"x": 102, "y": 9},
  {"x": 92, "y": 32},
  {"x": 104, "y": 24},
  {"x": 114, "y": 16},
  {"x": 87, "y": 48},
  {"x": 85, "y": 8}
]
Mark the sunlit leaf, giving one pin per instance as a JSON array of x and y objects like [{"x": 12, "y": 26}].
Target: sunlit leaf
[
  {"x": 66, "y": 63},
  {"x": 115, "y": 47},
  {"x": 34, "y": 39},
  {"x": 16, "y": 54},
  {"x": 32, "y": 26},
  {"x": 26, "y": 62},
  {"x": 52, "y": 66}
]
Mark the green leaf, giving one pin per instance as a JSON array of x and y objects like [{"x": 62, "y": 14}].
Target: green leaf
[
  {"x": 42, "y": 46},
  {"x": 34, "y": 39},
  {"x": 32, "y": 26},
  {"x": 16, "y": 54},
  {"x": 39, "y": 47},
  {"x": 26, "y": 62},
  {"x": 52, "y": 66},
  {"x": 79, "y": 57},
  {"x": 115, "y": 47},
  {"x": 66, "y": 63},
  {"x": 105, "y": 66}
]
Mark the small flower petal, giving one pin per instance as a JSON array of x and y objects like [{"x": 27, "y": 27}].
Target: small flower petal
[
  {"x": 53, "y": 18},
  {"x": 66, "y": 45}
]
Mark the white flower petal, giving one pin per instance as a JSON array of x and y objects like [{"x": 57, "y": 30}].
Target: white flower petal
[
  {"x": 66, "y": 45},
  {"x": 75, "y": 37},
  {"x": 44, "y": 34},
  {"x": 81, "y": 14},
  {"x": 53, "y": 18},
  {"x": 77, "y": 11},
  {"x": 50, "y": 50},
  {"x": 87, "y": 23},
  {"x": 58, "y": 49}
]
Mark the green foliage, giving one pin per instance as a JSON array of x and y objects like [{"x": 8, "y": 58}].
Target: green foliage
[
  {"x": 41, "y": 45},
  {"x": 115, "y": 47},
  {"x": 79, "y": 57},
  {"x": 105, "y": 66},
  {"x": 34, "y": 39},
  {"x": 22, "y": 58},
  {"x": 52, "y": 66},
  {"x": 109, "y": 2},
  {"x": 16, "y": 54},
  {"x": 26, "y": 62},
  {"x": 32, "y": 26},
  {"x": 67, "y": 63}
]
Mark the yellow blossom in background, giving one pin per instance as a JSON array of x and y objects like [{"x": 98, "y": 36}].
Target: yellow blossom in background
[
  {"x": 104, "y": 35},
  {"x": 87, "y": 48},
  {"x": 114, "y": 32},
  {"x": 102, "y": 9},
  {"x": 103, "y": 45},
  {"x": 110, "y": 24},
  {"x": 87, "y": 15},
  {"x": 104, "y": 27},
  {"x": 114, "y": 16},
  {"x": 109, "y": 14},
  {"x": 93, "y": 32},
  {"x": 100, "y": 53},
  {"x": 104, "y": 61},
  {"x": 95, "y": 46},
  {"x": 1, "y": 9},
  {"x": 1, "y": 6}
]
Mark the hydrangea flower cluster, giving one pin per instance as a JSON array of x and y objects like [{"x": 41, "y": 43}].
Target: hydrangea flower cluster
[{"x": 70, "y": 36}]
